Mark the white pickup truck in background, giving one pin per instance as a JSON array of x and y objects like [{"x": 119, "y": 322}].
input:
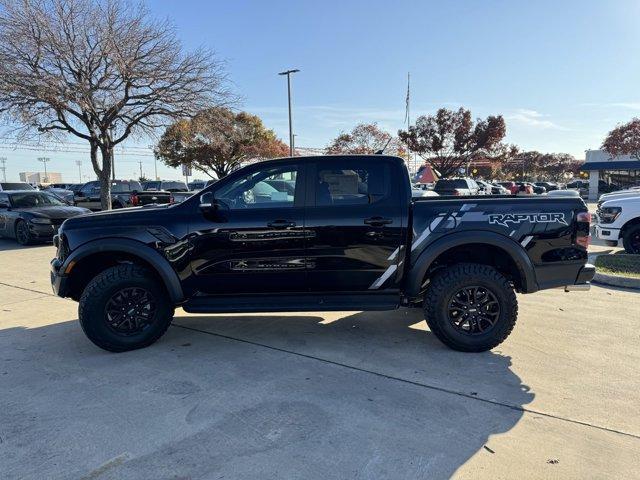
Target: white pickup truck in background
[{"x": 618, "y": 218}]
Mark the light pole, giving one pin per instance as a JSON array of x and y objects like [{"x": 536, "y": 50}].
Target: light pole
[
  {"x": 44, "y": 161},
  {"x": 140, "y": 162},
  {"x": 113, "y": 154},
  {"x": 3, "y": 161},
  {"x": 288, "y": 74},
  {"x": 79, "y": 164}
]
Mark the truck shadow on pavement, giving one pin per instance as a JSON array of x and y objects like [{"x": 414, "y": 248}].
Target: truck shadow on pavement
[{"x": 364, "y": 395}]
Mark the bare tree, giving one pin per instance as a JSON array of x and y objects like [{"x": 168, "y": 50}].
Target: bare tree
[{"x": 101, "y": 70}]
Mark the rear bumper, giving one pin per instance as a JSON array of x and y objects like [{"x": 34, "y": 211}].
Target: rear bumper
[
  {"x": 583, "y": 280},
  {"x": 562, "y": 275}
]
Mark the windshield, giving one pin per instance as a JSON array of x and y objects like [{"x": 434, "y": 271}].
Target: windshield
[
  {"x": 174, "y": 186},
  {"x": 34, "y": 199},
  {"x": 151, "y": 185},
  {"x": 16, "y": 186}
]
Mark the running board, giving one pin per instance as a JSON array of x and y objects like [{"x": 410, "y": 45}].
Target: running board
[{"x": 302, "y": 302}]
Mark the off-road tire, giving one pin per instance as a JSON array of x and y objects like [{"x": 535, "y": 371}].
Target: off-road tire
[
  {"x": 93, "y": 302},
  {"x": 450, "y": 280},
  {"x": 628, "y": 239}
]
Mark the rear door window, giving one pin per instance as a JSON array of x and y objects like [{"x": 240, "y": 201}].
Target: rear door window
[{"x": 351, "y": 182}]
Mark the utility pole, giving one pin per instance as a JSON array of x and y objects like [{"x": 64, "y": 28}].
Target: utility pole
[
  {"x": 3, "y": 162},
  {"x": 288, "y": 74},
  {"x": 113, "y": 155},
  {"x": 79, "y": 164},
  {"x": 140, "y": 162},
  {"x": 44, "y": 161}
]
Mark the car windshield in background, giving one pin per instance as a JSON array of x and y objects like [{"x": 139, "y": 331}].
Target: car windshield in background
[
  {"x": 174, "y": 186},
  {"x": 120, "y": 187},
  {"x": 16, "y": 186},
  {"x": 151, "y": 185},
  {"x": 34, "y": 199},
  {"x": 451, "y": 184}
]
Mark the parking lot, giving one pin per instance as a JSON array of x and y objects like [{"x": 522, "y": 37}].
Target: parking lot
[{"x": 317, "y": 395}]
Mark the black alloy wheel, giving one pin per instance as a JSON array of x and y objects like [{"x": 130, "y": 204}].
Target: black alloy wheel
[
  {"x": 130, "y": 311},
  {"x": 473, "y": 310},
  {"x": 23, "y": 236}
]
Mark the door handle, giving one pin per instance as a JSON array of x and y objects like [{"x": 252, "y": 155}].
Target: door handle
[
  {"x": 281, "y": 224},
  {"x": 378, "y": 221}
]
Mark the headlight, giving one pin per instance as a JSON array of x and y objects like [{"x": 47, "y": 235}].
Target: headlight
[
  {"x": 41, "y": 221},
  {"x": 609, "y": 214}
]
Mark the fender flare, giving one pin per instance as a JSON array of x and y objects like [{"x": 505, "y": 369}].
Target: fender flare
[
  {"x": 432, "y": 251},
  {"x": 138, "y": 249}
]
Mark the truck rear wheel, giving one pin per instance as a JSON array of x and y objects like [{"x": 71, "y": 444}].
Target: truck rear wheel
[
  {"x": 470, "y": 307},
  {"x": 124, "y": 308}
]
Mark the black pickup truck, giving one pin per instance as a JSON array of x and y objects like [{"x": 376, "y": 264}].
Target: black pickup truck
[
  {"x": 348, "y": 236},
  {"x": 124, "y": 193}
]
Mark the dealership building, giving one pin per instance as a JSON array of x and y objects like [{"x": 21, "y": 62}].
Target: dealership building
[{"x": 622, "y": 171}]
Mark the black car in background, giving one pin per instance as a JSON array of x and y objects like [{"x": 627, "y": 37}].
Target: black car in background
[
  {"x": 457, "y": 186},
  {"x": 30, "y": 215},
  {"x": 549, "y": 186}
]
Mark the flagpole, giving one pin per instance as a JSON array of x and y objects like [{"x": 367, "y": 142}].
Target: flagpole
[{"x": 409, "y": 118}]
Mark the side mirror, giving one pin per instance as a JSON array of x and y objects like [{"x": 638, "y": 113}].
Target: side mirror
[{"x": 207, "y": 202}]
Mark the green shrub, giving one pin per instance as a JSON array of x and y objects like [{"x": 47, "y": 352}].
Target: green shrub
[{"x": 622, "y": 264}]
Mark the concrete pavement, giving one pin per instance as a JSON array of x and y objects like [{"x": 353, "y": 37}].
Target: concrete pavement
[{"x": 317, "y": 395}]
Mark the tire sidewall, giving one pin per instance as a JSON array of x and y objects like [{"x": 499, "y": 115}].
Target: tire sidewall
[
  {"x": 22, "y": 224},
  {"x": 93, "y": 317},
  {"x": 437, "y": 307},
  {"x": 626, "y": 240}
]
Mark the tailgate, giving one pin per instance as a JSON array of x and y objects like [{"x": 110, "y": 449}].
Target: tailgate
[{"x": 150, "y": 197}]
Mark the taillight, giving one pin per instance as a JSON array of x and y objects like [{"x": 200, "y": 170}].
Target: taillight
[
  {"x": 135, "y": 200},
  {"x": 583, "y": 241},
  {"x": 584, "y": 217},
  {"x": 583, "y": 238}
]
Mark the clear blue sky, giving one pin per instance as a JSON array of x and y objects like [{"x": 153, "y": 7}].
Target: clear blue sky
[{"x": 563, "y": 73}]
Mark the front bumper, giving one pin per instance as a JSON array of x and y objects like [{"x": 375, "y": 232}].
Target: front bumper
[
  {"x": 604, "y": 232},
  {"x": 42, "y": 231},
  {"x": 58, "y": 279}
]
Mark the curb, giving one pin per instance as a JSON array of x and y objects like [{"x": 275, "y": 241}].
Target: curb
[
  {"x": 612, "y": 280},
  {"x": 616, "y": 281}
]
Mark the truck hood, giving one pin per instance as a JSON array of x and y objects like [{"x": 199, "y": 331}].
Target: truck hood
[
  {"x": 621, "y": 201},
  {"x": 54, "y": 212},
  {"x": 121, "y": 216}
]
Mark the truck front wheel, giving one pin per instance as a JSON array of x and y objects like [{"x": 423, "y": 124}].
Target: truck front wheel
[
  {"x": 470, "y": 307},
  {"x": 124, "y": 308},
  {"x": 631, "y": 239}
]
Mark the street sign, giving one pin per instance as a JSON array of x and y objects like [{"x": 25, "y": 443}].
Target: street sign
[{"x": 186, "y": 170}]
